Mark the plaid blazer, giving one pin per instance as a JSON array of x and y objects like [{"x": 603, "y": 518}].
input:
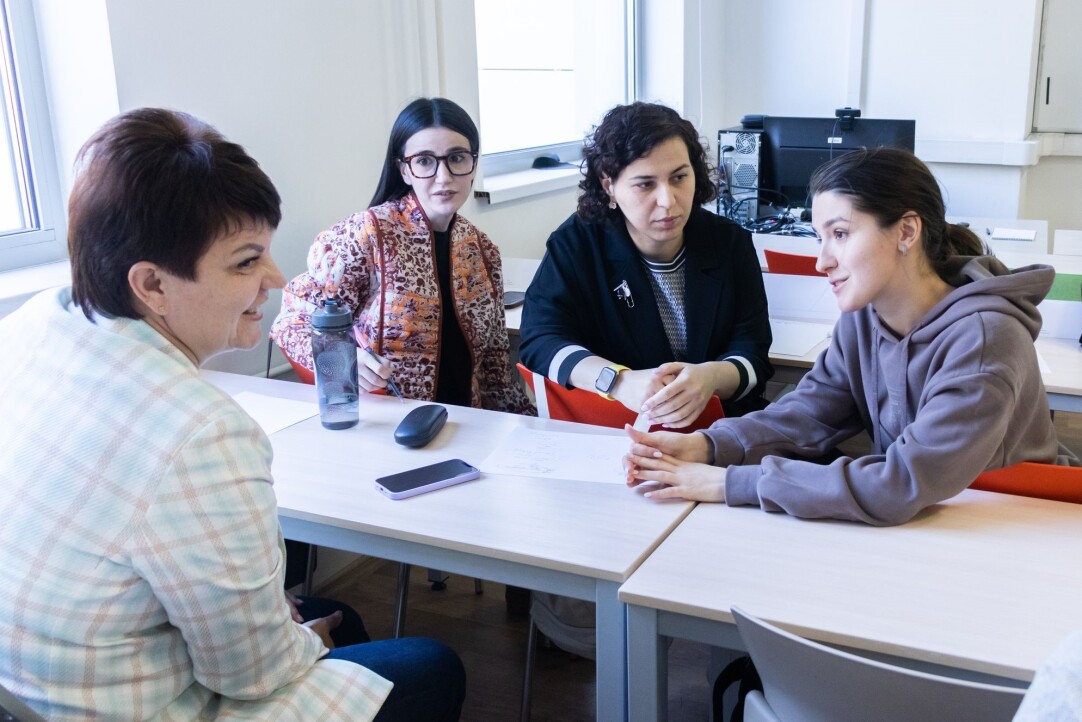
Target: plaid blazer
[{"x": 143, "y": 565}]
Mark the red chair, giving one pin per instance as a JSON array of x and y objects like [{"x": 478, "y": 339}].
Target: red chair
[
  {"x": 556, "y": 402},
  {"x": 792, "y": 264},
  {"x": 305, "y": 375},
  {"x": 1042, "y": 481}
]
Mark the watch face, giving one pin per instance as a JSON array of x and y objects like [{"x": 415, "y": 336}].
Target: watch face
[{"x": 606, "y": 379}]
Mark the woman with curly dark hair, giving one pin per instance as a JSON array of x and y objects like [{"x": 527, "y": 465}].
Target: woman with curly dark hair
[{"x": 644, "y": 296}]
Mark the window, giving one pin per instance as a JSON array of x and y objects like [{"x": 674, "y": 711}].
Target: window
[
  {"x": 29, "y": 195},
  {"x": 547, "y": 71}
]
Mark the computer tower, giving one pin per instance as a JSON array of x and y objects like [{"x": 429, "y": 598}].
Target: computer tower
[{"x": 739, "y": 164}]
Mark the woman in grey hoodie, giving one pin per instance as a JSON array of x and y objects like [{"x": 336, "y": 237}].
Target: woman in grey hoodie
[{"x": 933, "y": 356}]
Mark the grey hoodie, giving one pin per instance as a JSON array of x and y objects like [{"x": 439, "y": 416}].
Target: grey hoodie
[{"x": 961, "y": 393}]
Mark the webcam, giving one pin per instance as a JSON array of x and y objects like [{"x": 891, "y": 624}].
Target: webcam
[{"x": 846, "y": 116}]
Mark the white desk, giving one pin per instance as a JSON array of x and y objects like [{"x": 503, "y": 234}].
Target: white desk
[
  {"x": 578, "y": 539},
  {"x": 1062, "y": 263},
  {"x": 1063, "y": 382},
  {"x": 1039, "y": 245},
  {"x": 983, "y": 584},
  {"x": 985, "y": 227}
]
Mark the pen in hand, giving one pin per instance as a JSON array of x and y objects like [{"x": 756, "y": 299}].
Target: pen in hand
[{"x": 390, "y": 383}]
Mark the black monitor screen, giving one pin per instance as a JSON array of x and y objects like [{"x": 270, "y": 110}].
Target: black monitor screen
[{"x": 794, "y": 147}]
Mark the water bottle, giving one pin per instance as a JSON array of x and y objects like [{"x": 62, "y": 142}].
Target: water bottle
[{"x": 334, "y": 355}]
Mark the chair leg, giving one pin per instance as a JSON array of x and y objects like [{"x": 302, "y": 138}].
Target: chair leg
[
  {"x": 310, "y": 569},
  {"x": 400, "y": 606},
  {"x": 527, "y": 674}
]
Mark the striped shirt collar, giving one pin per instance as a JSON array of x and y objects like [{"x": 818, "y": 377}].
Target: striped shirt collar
[{"x": 666, "y": 266}]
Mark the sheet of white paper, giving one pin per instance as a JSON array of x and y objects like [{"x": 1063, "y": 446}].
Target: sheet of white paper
[
  {"x": 800, "y": 297},
  {"x": 1013, "y": 234},
  {"x": 559, "y": 455},
  {"x": 796, "y": 338},
  {"x": 274, "y": 414}
]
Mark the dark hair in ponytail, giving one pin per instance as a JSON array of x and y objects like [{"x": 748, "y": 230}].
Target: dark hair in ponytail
[{"x": 887, "y": 183}]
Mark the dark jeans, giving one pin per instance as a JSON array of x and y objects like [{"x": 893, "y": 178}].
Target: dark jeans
[{"x": 429, "y": 680}]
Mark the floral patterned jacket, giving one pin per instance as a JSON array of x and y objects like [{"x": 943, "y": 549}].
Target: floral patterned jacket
[{"x": 382, "y": 264}]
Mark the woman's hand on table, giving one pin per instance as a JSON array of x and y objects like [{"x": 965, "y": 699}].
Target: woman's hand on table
[{"x": 678, "y": 462}]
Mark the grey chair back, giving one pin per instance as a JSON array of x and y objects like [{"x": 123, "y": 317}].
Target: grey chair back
[{"x": 810, "y": 682}]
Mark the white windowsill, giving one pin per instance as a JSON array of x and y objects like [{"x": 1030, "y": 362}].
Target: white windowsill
[
  {"x": 524, "y": 183},
  {"x": 19, "y": 285}
]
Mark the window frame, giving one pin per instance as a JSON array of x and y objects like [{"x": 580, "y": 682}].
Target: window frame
[
  {"x": 512, "y": 161},
  {"x": 43, "y": 244}
]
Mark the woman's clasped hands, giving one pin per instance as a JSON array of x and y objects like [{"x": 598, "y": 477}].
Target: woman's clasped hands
[
  {"x": 678, "y": 463},
  {"x": 675, "y": 394}
]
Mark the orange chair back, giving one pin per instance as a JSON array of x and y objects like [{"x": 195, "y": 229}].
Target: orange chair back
[
  {"x": 792, "y": 264},
  {"x": 1043, "y": 481},
  {"x": 586, "y": 407}
]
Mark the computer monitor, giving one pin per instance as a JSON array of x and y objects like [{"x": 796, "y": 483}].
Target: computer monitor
[{"x": 794, "y": 147}]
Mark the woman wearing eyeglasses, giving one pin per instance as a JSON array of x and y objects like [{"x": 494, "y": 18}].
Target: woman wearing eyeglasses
[{"x": 425, "y": 285}]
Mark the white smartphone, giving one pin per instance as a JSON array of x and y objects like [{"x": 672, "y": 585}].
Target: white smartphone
[{"x": 426, "y": 478}]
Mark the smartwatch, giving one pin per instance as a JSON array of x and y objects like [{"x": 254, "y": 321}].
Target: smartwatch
[{"x": 606, "y": 380}]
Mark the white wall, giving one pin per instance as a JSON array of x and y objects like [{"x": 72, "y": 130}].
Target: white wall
[
  {"x": 961, "y": 85},
  {"x": 783, "y": 57},
  {"x": 969, "y": 86},
  {"x": 79, "y": 76},
  {"x": 295, "y": 87}
]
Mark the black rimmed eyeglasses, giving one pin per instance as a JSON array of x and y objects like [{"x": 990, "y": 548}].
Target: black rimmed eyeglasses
[{"x": 425, "y": 165}]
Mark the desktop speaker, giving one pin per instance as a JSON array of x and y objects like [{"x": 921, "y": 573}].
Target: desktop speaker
[{"x": 738, "y": 169}]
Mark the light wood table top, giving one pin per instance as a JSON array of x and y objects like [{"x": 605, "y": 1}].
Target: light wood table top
[
  {"x": 577, "y": 538},
  {"x": 982, "y": 587},
  {"x": 983, "y": 582},
  {"x": 601, "y": 529}
]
